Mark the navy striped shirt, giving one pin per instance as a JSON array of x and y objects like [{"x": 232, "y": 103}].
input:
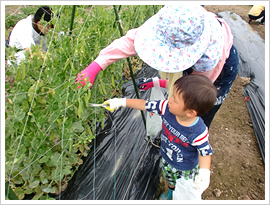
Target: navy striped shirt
[{"x": 180, "y": 145}]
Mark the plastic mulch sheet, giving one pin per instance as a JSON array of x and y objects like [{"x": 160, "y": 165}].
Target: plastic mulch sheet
[
  {"x": 122, "y": 164},
  {"x": 251, "y": 50}
]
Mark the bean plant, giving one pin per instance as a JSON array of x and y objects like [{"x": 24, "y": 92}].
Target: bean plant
[{"x": 48, "y": 123}]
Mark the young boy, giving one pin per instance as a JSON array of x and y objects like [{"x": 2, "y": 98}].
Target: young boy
[
  {"x": 185, "y": 150},
  {"x": 28, "y": 31}
]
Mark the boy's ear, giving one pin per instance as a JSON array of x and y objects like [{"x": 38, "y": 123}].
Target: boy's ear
[{"x": 191, "y": 113}]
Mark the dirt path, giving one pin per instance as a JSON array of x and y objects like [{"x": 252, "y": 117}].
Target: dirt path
[{"x": 237, "y": 168}]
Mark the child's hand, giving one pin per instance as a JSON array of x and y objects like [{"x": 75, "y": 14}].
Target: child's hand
[
  {"x": 202, "y": 180},
  {"x": 116, "y": 103},
  {"x": 146, "y": 83}
]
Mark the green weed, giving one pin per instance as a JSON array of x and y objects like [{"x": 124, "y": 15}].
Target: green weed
[{"x": 48, "y": 124}]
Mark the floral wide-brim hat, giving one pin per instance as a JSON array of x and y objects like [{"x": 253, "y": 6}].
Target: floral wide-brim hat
[{"x": 177, "y": 37}]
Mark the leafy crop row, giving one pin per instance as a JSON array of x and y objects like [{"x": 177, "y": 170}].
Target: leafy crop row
[{"x": 48, "y": 124}]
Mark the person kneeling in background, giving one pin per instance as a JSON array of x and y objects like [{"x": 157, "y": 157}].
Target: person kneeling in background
[
  {"x": 29, "y": 31},
  {"x": 256, "y": 12}
]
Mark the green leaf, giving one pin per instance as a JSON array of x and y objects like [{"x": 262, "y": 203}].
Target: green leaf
[
  {"x": 46, "y": 197},
  {"x": 87, "y": 98},
  {"x": 103, "y": 87},
  {"x": 18, "y": 117},
  {"x": 50, "y": 164},
  {"x": 37, "y": 196},
  {"x": 25, "y": 105},
  {"x": 54, "y": 135},
  {"x": 36, "y": 169},
  {"x": 53, "y": 117},
  {"x": 72, "y": 159},
  {"x": 44, "y": 159},
  {"x": 18, "y": 74},
  {"x": 26, "y": 173},
  {"x": 19, "y": 98},
  {"x": 55, "y": 157},
  {"x": 31, "y": 92},
  {"x": 50, "y": 189},
  {"x": 113, "y": 83},
  {"x": 35, "y": 143},
  {"x": 77, "y": 127},
  {"x": 18, "y": 180},
  {"x": 34, "y": 184},
  {"x": 44, "y": 177},
  {"x": 67, "y": 170},
  {"x": 29, "y": 191},
  {"x": 80, "y": 108},
  {"x": 19, "y": 192},
  {"x": 56, "y": 174},
  {"x": 23, "y": 71},
  {"x": 27, "y": 141}
]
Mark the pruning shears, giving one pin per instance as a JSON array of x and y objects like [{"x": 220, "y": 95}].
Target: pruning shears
[{"x": 105, "y": 104}]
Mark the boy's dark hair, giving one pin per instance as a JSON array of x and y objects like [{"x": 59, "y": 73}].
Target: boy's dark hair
[
  {"x": 199, "y": 93},
  {"x": 43, "y": 10}
]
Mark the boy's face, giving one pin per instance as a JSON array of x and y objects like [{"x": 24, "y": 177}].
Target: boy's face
[{"x": 176, "y": 104}]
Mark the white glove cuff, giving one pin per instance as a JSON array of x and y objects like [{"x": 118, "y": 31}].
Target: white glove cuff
[
  {"x": 124, "y": 102},
  {"x": 204, "y": 172}
]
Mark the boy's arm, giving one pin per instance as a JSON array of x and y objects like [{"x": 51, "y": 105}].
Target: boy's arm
[
  {"x": 202, "y": 180},
  {"x": 116, "y": 103},
  {"x": 138, "y": 104},
  {"x": 155, "y": 106},
  {"x": 205, "y": 162}
]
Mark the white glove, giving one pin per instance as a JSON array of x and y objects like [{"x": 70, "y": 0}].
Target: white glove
[
  {"x": 202, "y": 180},
  {"x": 116, "y": 103}
]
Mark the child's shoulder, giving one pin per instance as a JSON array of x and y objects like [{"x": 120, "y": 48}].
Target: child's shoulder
[{"x": 200, "y": 126}]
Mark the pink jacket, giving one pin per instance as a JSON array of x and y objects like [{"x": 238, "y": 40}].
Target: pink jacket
[{"x": 124, "y": 47}]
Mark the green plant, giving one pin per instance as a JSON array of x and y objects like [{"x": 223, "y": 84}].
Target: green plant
[
  {"x": 21, "y": 12},
  {"x": 48, "y": 124}
]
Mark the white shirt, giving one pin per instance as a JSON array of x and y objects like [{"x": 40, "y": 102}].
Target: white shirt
[{"x": 23, "y": 36}]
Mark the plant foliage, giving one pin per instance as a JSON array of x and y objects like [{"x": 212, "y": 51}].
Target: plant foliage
[{"x": 48, "y": 124}]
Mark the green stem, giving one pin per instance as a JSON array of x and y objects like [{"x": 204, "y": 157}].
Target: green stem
[
  {"x": 72, "y": 19},
  {"x": 129, "y": 63}
]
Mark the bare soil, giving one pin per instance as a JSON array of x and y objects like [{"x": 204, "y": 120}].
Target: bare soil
[{"x": 237, "y": 170}]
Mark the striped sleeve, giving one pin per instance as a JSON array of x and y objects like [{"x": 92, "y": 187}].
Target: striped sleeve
[
  {"x": 200, "y": 139},
  {"x": 202, "y": 143},
  {"x": 162, "y": 106},
  {"x": 157, "y": 106}
]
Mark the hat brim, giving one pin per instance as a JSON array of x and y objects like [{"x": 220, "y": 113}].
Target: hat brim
[{"x": 165, "y": 58}]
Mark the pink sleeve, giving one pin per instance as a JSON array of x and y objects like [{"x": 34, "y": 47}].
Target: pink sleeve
[
  {"x": 118, "y": 49},
  {"x": 228, "y": 42}
]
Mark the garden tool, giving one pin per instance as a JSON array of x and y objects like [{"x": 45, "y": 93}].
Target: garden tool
[{"x": 105, "y": 104}]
